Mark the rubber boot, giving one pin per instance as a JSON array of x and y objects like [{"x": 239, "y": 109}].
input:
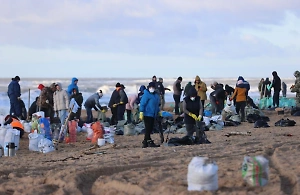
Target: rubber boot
[
  {"x": 152, "y": 144},
  {"x": 145, "y": 144}
]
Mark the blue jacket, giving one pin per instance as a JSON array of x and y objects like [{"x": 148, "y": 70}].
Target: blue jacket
[
  {"x": 72, "y": 86},
  {"x": 14, "y": 90},
  {"x": 150, "y": 104}
]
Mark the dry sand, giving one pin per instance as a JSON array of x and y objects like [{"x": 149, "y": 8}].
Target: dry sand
[{"x": 129, "y": 169}]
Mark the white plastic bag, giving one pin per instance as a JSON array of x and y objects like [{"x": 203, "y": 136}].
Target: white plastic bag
[
  {"x": 34, "y": 139},
  {"x": 255, "y": 170},
  {"x": 129, "y": 129},
  {"x": 202, "y": 175},
  {"x": 2, "y": 135},
  {"x": 12, "y": 135},
  {"x": 45, "y": 145},
  {"x": 90, "y": 133},
  {"x": 27, "y": 127}
]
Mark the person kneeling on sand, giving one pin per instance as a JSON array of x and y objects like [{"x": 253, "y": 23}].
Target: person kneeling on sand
[
  {"x": 149, "y": 110},
  {"x": 193, "y": 109}
]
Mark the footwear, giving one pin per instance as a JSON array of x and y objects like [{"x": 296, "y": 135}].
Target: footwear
[
  {"x": 145, "y": 144},
  {"x": 152, "y": 144}
]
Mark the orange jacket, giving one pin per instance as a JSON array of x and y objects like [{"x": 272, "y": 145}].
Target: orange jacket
[{"x": 240, "y": 94}]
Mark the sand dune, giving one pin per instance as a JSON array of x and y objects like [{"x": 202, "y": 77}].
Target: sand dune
[{"x": 126, "y": 168}]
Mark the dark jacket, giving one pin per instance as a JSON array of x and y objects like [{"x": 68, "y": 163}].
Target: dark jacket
[
  {"x": 229, "y": 90},
  {"x": 187, "y": 88},
  {"x": 78, "y": 98},
  {"x": 33, "y": 108},
  {"x": 276, "y": 84},
  {"x": 123, "y": 96},
  {"x": 46, "y": 94},
  {"x": 190, "y": 106},
  {"x": 114, "y": 98},
  {"x": 219, "y": 92},
  {"x": 14, "y": 90},
  {"x": 177, "y": 87},
  {"x": 93, "y": 102},
  {"x": 150, "y": 104}
]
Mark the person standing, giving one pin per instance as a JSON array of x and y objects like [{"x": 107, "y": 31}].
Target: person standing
[
  {"x": 201, "y": 89},
  {"x": 240, "y": 96},
  {"x": 260, "y": 87},
  {"x": 267, "y": 91},
  {"x": 162, "y": 90},
  {"x": 131, "y": 107},
  {"x": 93, "y": 102},
  {"x": 113, "y": 103},
  {"x": 276, "y": 84},
  {"x": 45, "y": 100},
  {"x": 187, "y": 88},
  {"x": 217, "y": 97},
  {"x": 14, "y": 94},
  {"x": 296, "y": 88},
  {"x": 283, "y": 85},
  {"x": 177, "y": 90},
  {"x": 78, "y": 99},
  {"x": 121, "y": 106},
  {"x": 149, "y": 110},
  {"x": 72, "y": 86},
  {"x": 61, "y": 102}
]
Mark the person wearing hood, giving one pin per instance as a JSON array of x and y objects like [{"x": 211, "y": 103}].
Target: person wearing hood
[
  {"x": 267, "y": 91},
  {"x": 244, "y": 84},
  {"x": 193, "y": 109},
  {"x": 140, "y": 94},
  {"x": 276, "y": 84},
  {"x": 93, "y": 102},
  {"x": 296, "y": 88},
  {"x": 187, "y": 88},
  {"x": 240, "y": 96},
  {"x": 121, "y": 105},
  {"x": 149, "y": 110},
  {"x": 61, "y": 102},
  {"x": 72, "y": 86},
  {"x": 201, "y": 89},
  {"x": 78, "y": 99},
  {"x": 14, "y": 94}
]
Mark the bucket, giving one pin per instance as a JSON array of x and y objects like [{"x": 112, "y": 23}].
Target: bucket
[{"x": 101, "y": 142}]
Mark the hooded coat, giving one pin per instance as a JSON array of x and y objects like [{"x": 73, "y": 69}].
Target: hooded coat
[
  {"x": 200, "y": 88},
  {"x": 191, "y": 106},
  {"x": 72, "y": 86},
  {"x": 61, "y": 99},
  {"x": 150, "y": 104}
]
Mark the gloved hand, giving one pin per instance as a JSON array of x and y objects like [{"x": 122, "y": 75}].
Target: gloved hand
[
  {"x": 47, "y": 101},
  {"x": 103, "y": 110},
  {"x": 199, "y": 118},
  {"x": 19, "y": 98},
  {"x": 230, "y": 99},
  {"x": 193, "y": 116},
  {"x": 121, "y": 103},
  {"x": 159, "y": 113},
  {"x": 141, "y": 116},
  {"x": 115, "y": 105}
]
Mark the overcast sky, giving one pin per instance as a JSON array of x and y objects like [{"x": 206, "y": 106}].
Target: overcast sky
[{"x": 141, "y": 38}]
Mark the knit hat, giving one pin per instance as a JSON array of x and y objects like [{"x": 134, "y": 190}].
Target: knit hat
[
  {"x": 179, "y": 78},
  {"x": 118, "y": 85},
  {"x": 40, "y": 86},
  {"x": 122, "y": 86},
  {"x": 151, "y": 84},
  {"x": 240, "y": 78},
  {"x": 17, "y": 78}
]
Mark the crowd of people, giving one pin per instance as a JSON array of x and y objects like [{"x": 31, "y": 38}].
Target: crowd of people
[{"x": 147, "y": 105}]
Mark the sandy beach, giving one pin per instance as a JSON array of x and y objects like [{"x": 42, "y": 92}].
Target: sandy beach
[{"x": 126, "y": 168}]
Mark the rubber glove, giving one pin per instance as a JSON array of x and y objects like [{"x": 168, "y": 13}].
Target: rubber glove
[
  {"x": 141, "y": 116},
  {"x": 269, "y": 87},
  {"x": 121, "y": 103},
  {"x": 115, "y": 105},
  {"x": 159, "y": 113},
  {"x": 103, "y": 111},
  {"x": 193, "y": 116},
  {"x": 19, "y": 98},
  {"x": 199, "y": 118}
]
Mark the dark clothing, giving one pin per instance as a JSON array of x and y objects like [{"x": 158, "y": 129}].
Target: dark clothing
[
  {"x": 128, "y": 114},
  {"x": 217, "y": 98},
  {"x": 276, "y": 84},
  {"x": 192, "y": 107},
  {"x": 250, "y": 102},
  {"x": 14, "y": 91},
  {"x": 121, "y": 110},
  {"x": 90, "y": 103},
  {"x": 187, "y": 89},
  {"x": 149, "y": 124},
  {"x": 114, "y": 98},
  {"x": 177, "y": 102},
  {"x": 229, "y": 90},
  {"x": 276, "y": 98},
  {"x": 114, "y": 115},
  {"x": 161, "y": 88},
  {"x": 240, "y": 109},
  {"x": 284, "y": 89},
  {"x": 267, "y": 93},
  {"x": 123, "y": 97},
  {"x": 32, "y": 109},
  {"x": 78, "y": 99},
  {"x": 138, "y": 99},
  {"x": 89, "y": 118},
  {"x": 23, "y": 110}
]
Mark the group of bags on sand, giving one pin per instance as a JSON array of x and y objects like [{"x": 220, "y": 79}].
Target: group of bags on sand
[{"x": 203, "y": 173}]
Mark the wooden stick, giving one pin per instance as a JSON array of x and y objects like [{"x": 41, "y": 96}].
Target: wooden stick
[{"x": 28, "y": 118}]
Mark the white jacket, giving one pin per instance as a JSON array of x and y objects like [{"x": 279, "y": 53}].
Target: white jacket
[{"x": 61, "y": 99}]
